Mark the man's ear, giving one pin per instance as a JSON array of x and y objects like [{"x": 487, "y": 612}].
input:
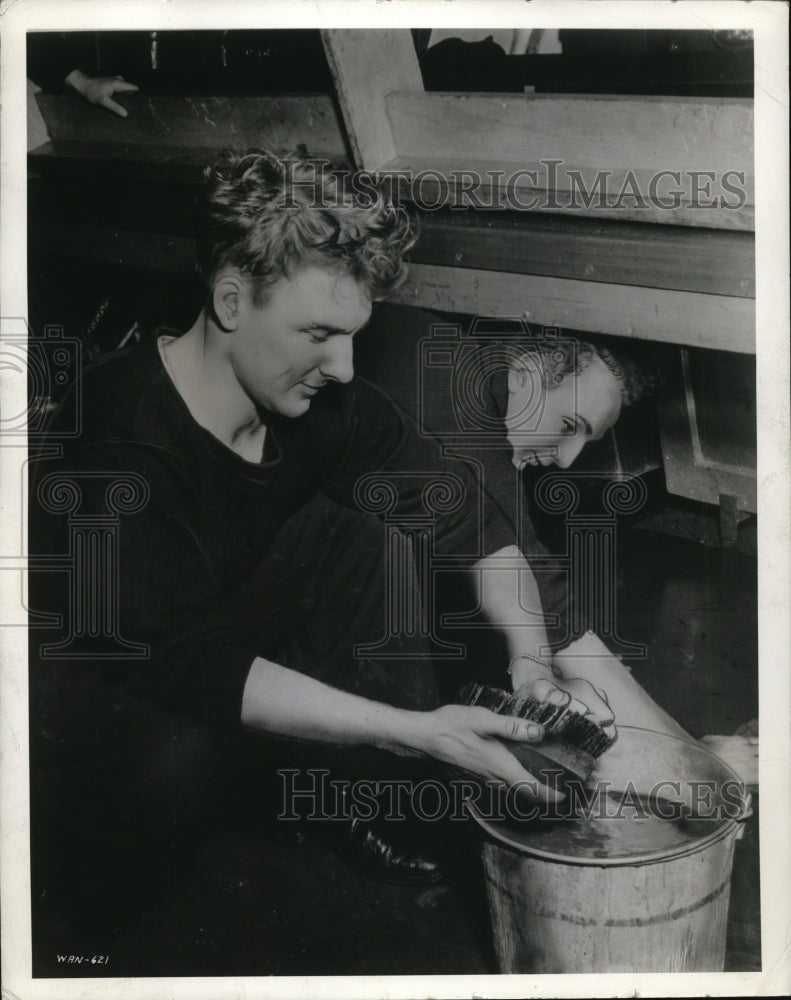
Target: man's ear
[{"x": 226, "y": 296}]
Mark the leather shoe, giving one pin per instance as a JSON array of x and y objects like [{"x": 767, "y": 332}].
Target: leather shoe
[{"x": 368, "y": 854}]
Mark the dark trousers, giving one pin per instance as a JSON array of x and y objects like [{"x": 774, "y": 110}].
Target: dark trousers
[{"x": 113, "y": 774}]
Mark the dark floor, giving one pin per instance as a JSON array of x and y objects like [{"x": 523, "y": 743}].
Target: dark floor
[{"x": 251, "y": 904}]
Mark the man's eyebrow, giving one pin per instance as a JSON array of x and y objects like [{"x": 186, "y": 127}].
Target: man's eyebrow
[
  {"x": 585, "y": 422},
  {"x": 328, "y": 328}
]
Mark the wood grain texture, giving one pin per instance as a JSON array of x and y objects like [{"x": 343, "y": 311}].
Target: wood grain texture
[
  {"x": 698, "y": 260},
  {"x": 625, "y": 194},
  {"x": 366, "y": 66},
  {"x": 713, "y": 321},
  {"x": 598, "y": 131},
  {"x": 278, "y": 122},
  {"x": 716, "y": 321},
  {"x": 588, "y": 135},
  {"x": 80, "y": 181},
  {"x": 707, "y": 421}
]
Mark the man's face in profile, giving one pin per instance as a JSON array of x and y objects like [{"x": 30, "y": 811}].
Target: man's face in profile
[
  {"x": 297, "y": 338},
  {"x": 579, "y": 410}
]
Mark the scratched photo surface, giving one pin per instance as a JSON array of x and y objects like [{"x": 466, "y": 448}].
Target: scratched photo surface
[{"x": 391, "y": 503}]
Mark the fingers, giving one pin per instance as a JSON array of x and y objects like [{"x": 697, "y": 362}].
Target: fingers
[
  {"x": 510, "y": 728},
  {"x": 544, "y": 690},
  {"x": 599, "y": 710},
  {"x": 123, "y": 87},
  {"x": 516, "y": 777},
  {"x": 111, "y": 105},
  {"x": 575, "y": 695}
]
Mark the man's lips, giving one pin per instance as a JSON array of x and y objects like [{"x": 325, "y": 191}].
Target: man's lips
[{"x": 543, "y": 458}]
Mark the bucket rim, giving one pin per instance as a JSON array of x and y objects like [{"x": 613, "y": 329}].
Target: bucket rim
[{"x": 728, "y": 828}]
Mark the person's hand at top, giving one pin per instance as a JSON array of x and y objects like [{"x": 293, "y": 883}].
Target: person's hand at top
[
  {"x": 573, "y": 693},
  {"x": 99, "y": 90}
]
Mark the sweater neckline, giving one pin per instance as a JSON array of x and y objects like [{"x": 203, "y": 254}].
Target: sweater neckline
[{"x": 272, "y": 453}]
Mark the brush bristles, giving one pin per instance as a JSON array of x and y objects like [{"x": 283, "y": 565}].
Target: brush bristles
[{"x": 558, "y": 720}]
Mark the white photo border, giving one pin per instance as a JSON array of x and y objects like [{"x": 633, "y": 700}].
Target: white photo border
[{"x": 769, "y": 22}]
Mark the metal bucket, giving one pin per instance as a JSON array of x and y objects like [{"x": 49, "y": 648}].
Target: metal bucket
[{"x": 596, "y": 898}]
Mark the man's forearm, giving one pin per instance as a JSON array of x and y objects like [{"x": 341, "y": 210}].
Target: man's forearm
[
  {"x": 509, "y": 597},
  {"x": 283, "y": 702}
]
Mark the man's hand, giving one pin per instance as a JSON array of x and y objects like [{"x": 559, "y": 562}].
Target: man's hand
[
  {"x": 576, "y": 694},
  {"x": 283, "y": 702},
  {"x": 100, "y": 89},
  {"x": 468, "y": 737}
]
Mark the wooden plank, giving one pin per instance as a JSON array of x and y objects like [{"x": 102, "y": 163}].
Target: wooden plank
[
  {"x": 699, "y": 260},
  {"x": 598, "y": 131},
  {"x": 70, "y": 162},
  {"x": 707, "y": 424},
  {"x": 367, "y": 65},
  {"x": 715, "y": 321},
  {"x": 79, "y": 182},
  {"x": 708, "y": 140},
  {"x": 278, "y": 122},
  {"x": 628, "y": 195}
]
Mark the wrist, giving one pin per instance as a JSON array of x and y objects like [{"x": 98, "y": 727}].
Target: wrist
[
  {"x": 524, "y": 668},
  {"x": 403, "y": 732},
  {"x": 77, "y": 80}
]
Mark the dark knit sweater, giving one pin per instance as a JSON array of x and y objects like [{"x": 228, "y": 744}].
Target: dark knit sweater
[{"x": 189, "y": 560}]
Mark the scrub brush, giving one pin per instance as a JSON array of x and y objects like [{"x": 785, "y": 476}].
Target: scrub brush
[{"x": 571, "y": 743}]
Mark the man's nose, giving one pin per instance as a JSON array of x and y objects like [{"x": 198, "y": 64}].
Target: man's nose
[
  {"x": 569, "y": 449},
  {"x": 338, "y": 362}
]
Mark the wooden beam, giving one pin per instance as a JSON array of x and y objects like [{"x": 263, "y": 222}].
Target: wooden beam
[
  {"x": 600, "y": 132},
  {"x": 707, "y": 421},
  {"x": 366, "y": 65},
  {"x": 626, "y": 195},
  {"x": 695, "y": 260},
  {"x": 279, "y": 122},
  {"x": 720, "y": 322},
  {"x": 573, "y": 143},
  {"x": 79, "y": 182}
]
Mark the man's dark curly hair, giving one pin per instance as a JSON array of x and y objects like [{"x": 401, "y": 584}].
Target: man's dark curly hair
[
  {"x": 268, "y": 216},
  {"x": 567, "y": 355}
]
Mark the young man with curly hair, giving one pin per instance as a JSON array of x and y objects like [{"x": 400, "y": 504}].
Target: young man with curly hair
[{"x": 249, "y": 593}]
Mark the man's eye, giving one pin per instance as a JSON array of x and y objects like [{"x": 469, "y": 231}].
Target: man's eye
[
  {"x": 317, "y": 336},
  {"x": 569, "y": 425}
]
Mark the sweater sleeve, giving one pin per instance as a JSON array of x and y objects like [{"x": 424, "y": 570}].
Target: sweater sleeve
[
  {"x": 153, "y": 585},
  {"x": 389, "y": 468}
]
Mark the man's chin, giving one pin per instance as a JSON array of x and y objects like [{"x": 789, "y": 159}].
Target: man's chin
[{"x": 295, "y": 406}]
